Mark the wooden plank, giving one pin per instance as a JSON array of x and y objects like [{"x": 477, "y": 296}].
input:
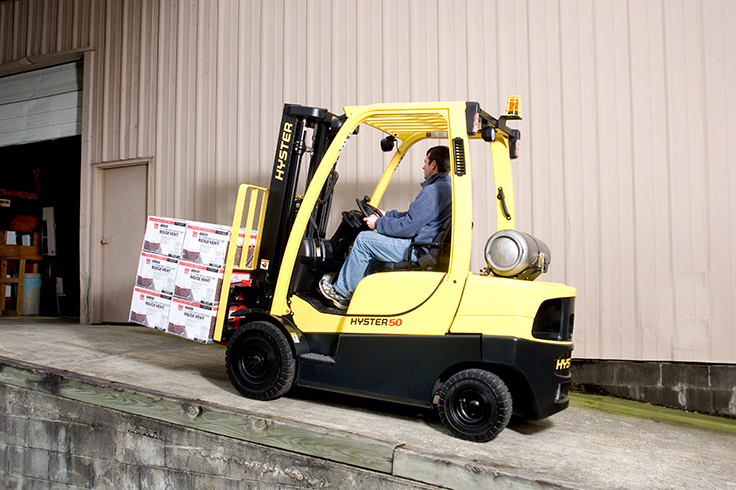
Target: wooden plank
[
  {"x": 459, "y": 473},
  {"x": 18, "y": 252},
  {"x": 287, "y": 435},
  {"x": 18, "y": 194}
]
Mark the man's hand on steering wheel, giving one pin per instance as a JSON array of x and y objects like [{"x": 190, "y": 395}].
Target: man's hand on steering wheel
[
  {"x": 371, "y": 220},
  {"x": 370, "y": 213}
]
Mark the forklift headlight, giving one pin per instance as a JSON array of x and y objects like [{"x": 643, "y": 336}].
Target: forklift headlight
[
  {"x": 387, "y": 143},
  {"x": 488, "y": 134},
  {"x": 511, "y": 253}
]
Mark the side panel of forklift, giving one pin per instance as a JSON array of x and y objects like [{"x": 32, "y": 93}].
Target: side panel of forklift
[
  {"x": 431, "y": 317},
  {"x": 396, "y": 368},
  {"x": 489, "y": 305},
  {"x": 411, "y": 369},
  {"x": 515, "y": 306}
]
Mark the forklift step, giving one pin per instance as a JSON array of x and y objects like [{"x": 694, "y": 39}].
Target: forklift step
[{"x": 313, "y": 356}]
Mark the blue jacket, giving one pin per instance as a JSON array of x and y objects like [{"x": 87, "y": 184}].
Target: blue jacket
[{"x": 423, "y": 220}]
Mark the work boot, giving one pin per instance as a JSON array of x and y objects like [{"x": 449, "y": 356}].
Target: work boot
[{"x": 329, "y": 292}]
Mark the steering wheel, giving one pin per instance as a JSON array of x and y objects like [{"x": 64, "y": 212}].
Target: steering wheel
[{"x": 367, "y": 209}]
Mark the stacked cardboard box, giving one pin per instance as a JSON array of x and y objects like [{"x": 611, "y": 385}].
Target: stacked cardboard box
[
  {"x": 198, "y": 283},
  {"x": 150, "y": 308},
  {"x": 191, "y": 320},
  {"x": 205, "y": 244},
  {"x": 164, "y": 236},
  {"x": 180, "y": 276},
  {"x": 157, "y": 273}
]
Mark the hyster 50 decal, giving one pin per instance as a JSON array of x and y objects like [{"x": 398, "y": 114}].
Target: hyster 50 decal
[{"x": 376, "y": 322}]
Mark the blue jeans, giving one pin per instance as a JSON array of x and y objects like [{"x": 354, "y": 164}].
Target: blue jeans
[{"x": 370, "y": 248}]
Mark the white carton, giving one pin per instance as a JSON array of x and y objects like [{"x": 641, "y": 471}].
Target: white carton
[
  {"x": 150, "y": 309},
  {"x": 156, "y": 273},
  {"x": 164, "y": 236},
  {"x": 192, "y": 320},
  {"x": 198, "y": 283},
  {"x": 206, "y": 244}
]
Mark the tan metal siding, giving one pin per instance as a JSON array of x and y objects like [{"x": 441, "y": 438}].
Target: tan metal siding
[
  {"x": 720, "y": 151},
  {"x": 628, "y": 131}
]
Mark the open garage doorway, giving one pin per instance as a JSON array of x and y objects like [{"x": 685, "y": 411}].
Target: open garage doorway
[{"x": 40, "y": 193}]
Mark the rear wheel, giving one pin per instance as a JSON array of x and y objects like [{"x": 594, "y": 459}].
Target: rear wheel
[
  {"x": 475, "y": 405},
  {"x": 259, "y": 361}
]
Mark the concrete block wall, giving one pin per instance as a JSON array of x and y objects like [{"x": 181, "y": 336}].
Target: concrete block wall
[
  {"x": 48, "y": 441},
  {"x": 704, "y": 388}
]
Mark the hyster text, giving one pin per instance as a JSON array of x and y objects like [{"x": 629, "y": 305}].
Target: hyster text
[{"x": 283, "y": 151}]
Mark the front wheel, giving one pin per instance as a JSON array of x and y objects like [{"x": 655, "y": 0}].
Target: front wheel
[
  {"x": 259, "y": 361},
  {"x": 475, "y": 405}
]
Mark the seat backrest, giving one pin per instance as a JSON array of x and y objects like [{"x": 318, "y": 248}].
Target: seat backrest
[{"x": 438, "y": 256}]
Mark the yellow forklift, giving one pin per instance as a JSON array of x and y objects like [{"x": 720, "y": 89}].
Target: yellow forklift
[{"x": 478, "y": 346}]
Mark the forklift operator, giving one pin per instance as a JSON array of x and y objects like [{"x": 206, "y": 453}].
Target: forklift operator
[{"x": 397, "y": 230}]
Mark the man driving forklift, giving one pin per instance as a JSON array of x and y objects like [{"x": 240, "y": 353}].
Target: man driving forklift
[{"x": 396, "y": 230}]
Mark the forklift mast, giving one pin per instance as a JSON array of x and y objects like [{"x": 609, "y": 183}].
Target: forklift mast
[{"x": 283, "y": 202}]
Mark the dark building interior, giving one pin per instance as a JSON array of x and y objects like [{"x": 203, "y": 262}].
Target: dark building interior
[{"x": 36, "y": 177}]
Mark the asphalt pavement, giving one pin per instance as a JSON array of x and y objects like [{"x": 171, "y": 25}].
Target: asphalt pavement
[{"x": 597, "y": 443}]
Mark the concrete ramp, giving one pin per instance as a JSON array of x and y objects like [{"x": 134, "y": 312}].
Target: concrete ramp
[{"x": 129, "y": 407}]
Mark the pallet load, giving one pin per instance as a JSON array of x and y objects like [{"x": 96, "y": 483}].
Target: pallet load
[{"x": 180, "y": 275}]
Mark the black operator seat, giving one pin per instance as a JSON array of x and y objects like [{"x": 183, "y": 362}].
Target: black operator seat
[{"x": 437, "y": 258}]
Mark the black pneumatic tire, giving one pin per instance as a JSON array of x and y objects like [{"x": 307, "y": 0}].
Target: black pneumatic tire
[
  {"x": 475, "y": 405},
  {"x": 259, "y": 361}
]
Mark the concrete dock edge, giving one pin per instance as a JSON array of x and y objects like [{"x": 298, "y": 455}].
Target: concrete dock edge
[{"x": 414, "y": 467}]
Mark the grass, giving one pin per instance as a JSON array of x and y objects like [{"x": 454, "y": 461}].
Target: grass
[{"x": 645, "y": 410}]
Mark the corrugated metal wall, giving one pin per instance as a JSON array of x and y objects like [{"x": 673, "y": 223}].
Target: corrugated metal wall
[{"x": 629, "y": 125}]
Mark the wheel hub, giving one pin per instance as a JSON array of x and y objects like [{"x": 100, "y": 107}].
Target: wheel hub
[
  {"x": 256, "y": 362},
  {"x": 472, "y": 408}
]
